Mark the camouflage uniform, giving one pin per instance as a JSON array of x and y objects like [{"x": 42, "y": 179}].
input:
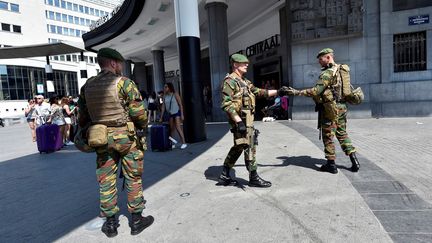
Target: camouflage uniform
[
  {"x": 331, "y": 128},
  {"x": 232, "y": 104},
  {"x": 122, "y": 146}
]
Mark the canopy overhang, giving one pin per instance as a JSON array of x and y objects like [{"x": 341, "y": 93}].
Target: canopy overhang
[{"x": 41, "y": 50}]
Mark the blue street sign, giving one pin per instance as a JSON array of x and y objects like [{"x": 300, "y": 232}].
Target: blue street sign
[{"x": 420, "y": 19}]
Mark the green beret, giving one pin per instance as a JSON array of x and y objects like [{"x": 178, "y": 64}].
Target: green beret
[
  {"x": 239, "y": 58},
  {"x": 324, "y": 51},
  {"x": 110, "y": 53}
]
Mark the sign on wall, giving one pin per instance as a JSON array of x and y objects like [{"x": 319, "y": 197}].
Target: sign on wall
[
  {"x": 420, "y": 19},
  {"x": 40, "y": 88}
]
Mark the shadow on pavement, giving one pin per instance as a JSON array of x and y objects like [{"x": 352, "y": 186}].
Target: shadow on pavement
[
  {"x": 45, "y": 196},
  {"x": 302, "y": 161}
]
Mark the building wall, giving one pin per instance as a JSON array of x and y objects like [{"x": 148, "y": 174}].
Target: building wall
[
  {"x": 32, "y": 18},
  {"x": 371, "y": 59}
]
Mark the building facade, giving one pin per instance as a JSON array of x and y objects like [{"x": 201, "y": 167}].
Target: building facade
[
  {"x": 39, "y": 22},
  {"x": 386, "y": 43}
]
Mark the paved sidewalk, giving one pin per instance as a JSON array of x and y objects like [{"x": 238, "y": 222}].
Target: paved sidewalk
[{"x": 54, "y": 197}]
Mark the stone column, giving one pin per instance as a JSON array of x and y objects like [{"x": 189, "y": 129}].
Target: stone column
[
  {"x": 158, "y": 69},
  {"x": 188, "y": 39},
  {"x": 219, "y": 52},
  {"x": 66, "y": 85},
  {"x": 140, "y": 76},
  {"x": 127, "y": 69},
  {"x": 83, "y": 72}
]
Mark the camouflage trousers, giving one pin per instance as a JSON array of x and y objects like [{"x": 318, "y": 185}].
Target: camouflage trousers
[
  {"x": 338, "y": 128},
  {"x": 121, "y": 148},
  {"x": 237, "y": 150}
]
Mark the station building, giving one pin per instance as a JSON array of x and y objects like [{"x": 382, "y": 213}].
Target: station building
[
  {"x": 387, "y": 44},
  {"x": 30, "y": 23}
]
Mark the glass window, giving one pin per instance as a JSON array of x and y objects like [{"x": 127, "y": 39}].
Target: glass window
[
  {"x": 76, "y": 20},
  {"x": 53, "y": 29},
  {"x": 5, "y": 27},
  {"x": 62, "y": 58},
  {"x": 70, "y": 19},
  {"x": 68, "y": 58},
  {"x": 56, "y": 58},
  {"x": 77, "y": 33},
  {"x": 51, "y": 15},
  {"x": 87, "y": 22},
  {"x": 3, "y": 70},
  {"x": 74, "y": 59},
  {"x": 59, "y": 30},
  {"x": 85, "y": 58},
  {"x": 16, "y": 28},
  {"x": 57, "y": 3},
  {"x": 69, "y": 5},
  {"x": 97, "y": 12},
  {"x": 50, "y": 2},
  {"x": 92, "y": 11},
  {"x": 75, "y": 7},
  {"x": 86, "y": 10},
  {"x": 64, "y": 17},
  {"x": 81, "y": 8},
  {"x": 3, "y": 5},
  {"x": 14, "y": 7},
  {"x": 63, "y": 4},
  {"x": 58, "y": 16},
  {"x": 82, "y": 21}
]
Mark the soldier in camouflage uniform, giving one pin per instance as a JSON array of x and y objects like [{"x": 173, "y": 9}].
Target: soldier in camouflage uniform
[
  {"x": 238, "y": 101},
  {"x": 112, "y": 100},
  {"x": 330, "y": 125}
]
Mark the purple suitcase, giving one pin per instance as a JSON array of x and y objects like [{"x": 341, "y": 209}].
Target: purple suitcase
[
  {"x": 159, "y": 138},
  {"x": 49, "y": 138}
]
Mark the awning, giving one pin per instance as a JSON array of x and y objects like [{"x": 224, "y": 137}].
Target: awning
[{"x": 41, "y": 50}]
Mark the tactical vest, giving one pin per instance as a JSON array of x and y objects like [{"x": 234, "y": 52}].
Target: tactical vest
[
  {"x": 103, "y": 102},
  {"x": 243, "y": 96}
]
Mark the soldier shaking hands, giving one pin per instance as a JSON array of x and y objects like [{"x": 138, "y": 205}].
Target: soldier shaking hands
[{"x": 238, "y": 101}]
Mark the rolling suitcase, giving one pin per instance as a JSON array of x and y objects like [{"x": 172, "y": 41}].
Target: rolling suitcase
[
  {"x": 48, "y": 138},
  {"x": 159, "y": 140}
]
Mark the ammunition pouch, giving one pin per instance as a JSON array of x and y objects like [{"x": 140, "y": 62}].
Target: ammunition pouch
[
  {"x": 97, "y": 135},
  {"x": 81, "y": 141},
  {"x": 142, "y": 139}
]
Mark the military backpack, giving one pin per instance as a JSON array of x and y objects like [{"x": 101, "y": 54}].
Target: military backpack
[{"x": 343, "y": 88}]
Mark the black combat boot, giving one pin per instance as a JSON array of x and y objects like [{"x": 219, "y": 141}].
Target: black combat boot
[
  {"x": 139, "y": 223},
  {"x": 256, "y": 181},
  {"x": 355, "y": 163},
  {"x": 225, "y": 178},
  {"x": 110, "y": 226},
  {"x": 330, "y": 167}
]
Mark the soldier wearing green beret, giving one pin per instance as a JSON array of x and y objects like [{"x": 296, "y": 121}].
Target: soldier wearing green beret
[
  {"x": 112, "y": 105},
  {"x": 238, "y": 101},
  {"x": 332, "y": 112}
]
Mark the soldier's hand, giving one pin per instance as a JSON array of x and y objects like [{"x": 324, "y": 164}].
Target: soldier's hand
[
  {"x": 292, "y": 91},
  {"x": 283, "y": 91},
  {"x": 241, "y": 128}
]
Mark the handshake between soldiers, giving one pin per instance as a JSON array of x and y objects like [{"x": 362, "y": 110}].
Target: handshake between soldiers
[{"x": 290, "y": 91}]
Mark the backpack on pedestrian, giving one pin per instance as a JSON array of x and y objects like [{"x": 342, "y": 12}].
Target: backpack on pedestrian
[{"x": 345, "y": 90}]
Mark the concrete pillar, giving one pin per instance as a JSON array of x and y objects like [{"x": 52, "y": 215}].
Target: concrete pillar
[
  {"x": 66, "y": 85},
  {"x": 158, "y": 69},
  {"x": 83, "y": 72},
  {"x": 33, "y": 83},
  {"x": 285, "y": 17},
  {"x": 219, "y": 52},
  {"x": 127, "y": 69},
  {"x": 140, "y": 76},
  {"x": 49, "y": 74},
  {"x": 188, "y": 39}
]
